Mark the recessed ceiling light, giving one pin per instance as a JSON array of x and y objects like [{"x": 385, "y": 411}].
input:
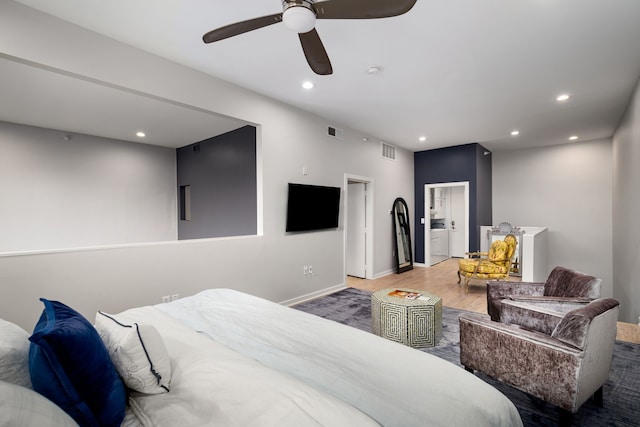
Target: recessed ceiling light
[
  {"x": 515, "y": 132},
  {"x": 573, "y": 137},
  {"x": 373, "y": 70},
  {"x": 422, "y": 138},
  {"x": 140, "y": 134},
  {"x": 308, "y": 85},
  {"x": 562, "y": 97}
]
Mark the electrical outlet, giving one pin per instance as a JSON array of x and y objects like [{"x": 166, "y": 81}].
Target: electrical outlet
[
  {"x": 175, "y": 297},
  {"x": 166, "y": 298},
  {"x": 310, "y": 270}
]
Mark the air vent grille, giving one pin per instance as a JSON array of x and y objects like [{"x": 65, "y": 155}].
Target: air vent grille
[
  {"x": 388, "y": 151},
  {"x": 334, "y": 132}
]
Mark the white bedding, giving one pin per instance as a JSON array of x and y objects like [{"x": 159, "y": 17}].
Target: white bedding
[
  {"x": 212, "y": 385},
  {"x": 394, "y": 384}
]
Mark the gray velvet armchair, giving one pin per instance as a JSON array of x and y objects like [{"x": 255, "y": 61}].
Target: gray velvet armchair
[
  {"x": 564, "y": 367},
  {"x": 563, "y": 284}
]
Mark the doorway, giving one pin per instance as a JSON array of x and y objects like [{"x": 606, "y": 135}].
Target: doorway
[
  {"x": 358, "y": 224},
  {"x": 446, "y": 221}
]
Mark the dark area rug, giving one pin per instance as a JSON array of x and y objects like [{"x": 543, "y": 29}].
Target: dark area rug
[{"x": 621, "y": 393}]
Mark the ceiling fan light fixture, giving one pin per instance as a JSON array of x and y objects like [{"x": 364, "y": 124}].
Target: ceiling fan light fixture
[{"x": 299, "y": 17}]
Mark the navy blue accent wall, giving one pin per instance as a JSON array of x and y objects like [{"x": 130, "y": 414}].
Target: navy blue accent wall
[
  {"x": 484, "y": 212},
  {"x": 221, "y": 172},
  {"x": 454, "y": 164}
]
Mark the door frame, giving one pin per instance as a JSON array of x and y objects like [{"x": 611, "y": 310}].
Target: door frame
[
  {"x": 427, "y": 216},
  {"x": 369, "y": 186}
]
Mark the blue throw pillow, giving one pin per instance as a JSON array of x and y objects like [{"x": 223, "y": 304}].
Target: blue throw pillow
[{"x": 70, "y": 365}]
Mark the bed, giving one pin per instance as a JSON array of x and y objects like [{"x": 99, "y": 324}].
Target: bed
[{"x": 226, "y": 358}]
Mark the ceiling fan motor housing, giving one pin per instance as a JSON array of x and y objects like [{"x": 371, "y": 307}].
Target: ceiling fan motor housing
[{"x": 299, "y": 15}]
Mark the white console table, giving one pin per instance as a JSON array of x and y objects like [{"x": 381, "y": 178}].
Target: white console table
[{"x": 533, "y": 241}]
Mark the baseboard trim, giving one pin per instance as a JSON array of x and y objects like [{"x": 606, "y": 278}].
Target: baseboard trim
[
  {"x": 389, "y": 272},
  {"x": 382, "y": 274},
  {"x": 313, "y": 295}
]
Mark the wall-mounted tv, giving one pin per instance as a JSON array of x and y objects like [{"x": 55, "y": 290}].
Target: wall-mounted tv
[{"x": 312, "y": 207}]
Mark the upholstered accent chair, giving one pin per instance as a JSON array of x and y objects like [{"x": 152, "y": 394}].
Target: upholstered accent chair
[
  {"x": 495, "y": 264},
  {"x": 565, "y": 367},
  {"x": 563, "y": 284}
]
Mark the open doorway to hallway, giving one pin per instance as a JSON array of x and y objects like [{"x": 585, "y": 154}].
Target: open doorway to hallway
[{"x": 447, "y": 224}]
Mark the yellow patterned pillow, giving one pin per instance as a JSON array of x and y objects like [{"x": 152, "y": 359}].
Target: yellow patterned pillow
[{"x": 498, "y": 252}]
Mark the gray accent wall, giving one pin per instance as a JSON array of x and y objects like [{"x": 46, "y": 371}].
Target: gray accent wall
[
  {"x": 626, "y": 212},
  {"x": 221, "y": 175}
]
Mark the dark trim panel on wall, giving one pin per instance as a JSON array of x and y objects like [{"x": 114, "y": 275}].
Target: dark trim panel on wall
[
  {"x": 454, "y": 164},
  {"x": 220, "y": 174}
]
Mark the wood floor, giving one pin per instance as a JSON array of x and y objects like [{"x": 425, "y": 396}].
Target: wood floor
[{"x": 442, "y": 280}]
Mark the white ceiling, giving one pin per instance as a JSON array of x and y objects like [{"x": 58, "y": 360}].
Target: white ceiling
[{"x": 456, "y": 71}]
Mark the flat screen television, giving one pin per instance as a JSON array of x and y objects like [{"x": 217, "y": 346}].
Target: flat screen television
[{"x": 312, "y": 207}]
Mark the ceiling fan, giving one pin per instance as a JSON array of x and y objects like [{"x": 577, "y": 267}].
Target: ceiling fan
[{"x": 300, "y": 16}]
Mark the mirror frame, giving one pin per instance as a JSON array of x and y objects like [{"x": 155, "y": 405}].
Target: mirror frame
[{"x": 406, "y": 228}]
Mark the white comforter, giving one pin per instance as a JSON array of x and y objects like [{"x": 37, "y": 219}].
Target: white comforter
[
  {"x": 212, "y": 385},
  {"x": 394, "y": 384}
]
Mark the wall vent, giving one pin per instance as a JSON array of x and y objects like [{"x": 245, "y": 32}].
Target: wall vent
[
  {"x": 388, "y": 151},
  {"x": 334, "y": 132}
]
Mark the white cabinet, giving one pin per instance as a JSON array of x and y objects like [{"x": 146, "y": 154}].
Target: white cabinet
[
  {"x": 438, "y": 203},
  {"x": 440, "y": 242},
  {"x": 435, "y": 244}
]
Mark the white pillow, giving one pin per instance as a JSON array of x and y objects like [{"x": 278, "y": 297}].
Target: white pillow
[
  {"x": 14, "y": 354},
  {"x": 138, "y": 353},
  {"x": 20, "y": 406}
]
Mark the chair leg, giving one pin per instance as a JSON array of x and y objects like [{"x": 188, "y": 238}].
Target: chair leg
[
  {"x": 565, "y": 418},
  {"x": 466, "y": 283},
  {"x": 598, "y": 397},
  {"x": 459, "y": 277}
]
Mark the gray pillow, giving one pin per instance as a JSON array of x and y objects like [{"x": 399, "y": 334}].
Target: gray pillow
[
  {"x": 14, "y": 354},
  {"x": 20, "y": 406}
]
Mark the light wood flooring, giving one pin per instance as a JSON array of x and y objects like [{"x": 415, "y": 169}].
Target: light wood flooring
[{"x": 442, "y": 280}]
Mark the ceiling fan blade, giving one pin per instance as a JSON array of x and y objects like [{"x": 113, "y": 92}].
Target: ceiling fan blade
[
  {"x": 241, "y": 27},
  {"x": 362, "y": 9},
  {"x": 315, "y": 53}
]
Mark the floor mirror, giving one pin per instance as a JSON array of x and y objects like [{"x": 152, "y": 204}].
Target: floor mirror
[{"x": 402, "y": 236}]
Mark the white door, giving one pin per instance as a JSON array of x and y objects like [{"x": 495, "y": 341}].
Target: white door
[
  {"x": 457, "y": 225},
  {"x": 356, "y": 229}
]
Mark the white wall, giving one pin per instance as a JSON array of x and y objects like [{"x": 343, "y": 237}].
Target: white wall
[
  {"x": 566, "y": 188},
  {"x": 270, "y": 265},
  {"x": 85, "y": 191},
  {"x": 626, "y": 211}
]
